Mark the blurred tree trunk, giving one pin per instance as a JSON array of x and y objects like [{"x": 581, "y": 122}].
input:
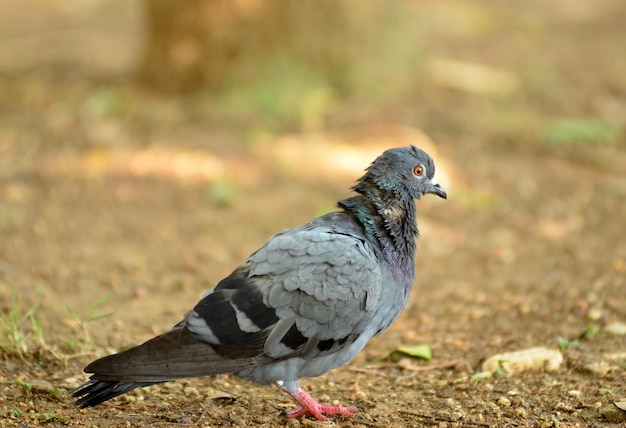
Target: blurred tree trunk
[
  {"x": 176, "y": 45},
  {"x": 195, "y": 44}
]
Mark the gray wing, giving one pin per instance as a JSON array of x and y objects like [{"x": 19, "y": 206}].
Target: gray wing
[{"x": 308, "y": 291}]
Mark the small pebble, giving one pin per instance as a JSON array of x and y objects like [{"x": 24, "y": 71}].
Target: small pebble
[
  {"x": 218, "y": 395},
  {"x": 616, "y": 328},
  {"x": 455, "y": 416},
  {"x": 493, "y": 407},
  {"x": 72, "y": 382},
  {"x": 312, "y": 423},
  {"x": 564, "y": 407},
  {"x": 573, "y": 393},
  {"x": 618, "y": 357},
  {"x": 504, "y": 402},
  {"x": 41, "y": 386},
  {"x": 532, "y": 359},
  {"x": 450, "y": 402},
  {"x": 292, "y": 423},
  {"x": 595, "y": 314},
  {"x": 600, "y": 368},
  {"x": 172, "y": 386},
  {"x": 191, "y": 390},
  {"x": 360, "y": 397}
]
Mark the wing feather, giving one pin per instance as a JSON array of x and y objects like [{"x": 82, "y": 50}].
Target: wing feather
[
  {"x": 326, "y": 288},
  {"x": 304, "y": 286}
]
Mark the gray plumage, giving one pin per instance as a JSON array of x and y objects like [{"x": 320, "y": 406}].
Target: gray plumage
[{"x": 303, "y": 304}]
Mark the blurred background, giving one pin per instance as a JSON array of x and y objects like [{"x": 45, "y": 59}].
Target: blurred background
[
  {"x": 148, "y": 147},
  {"x": 119, "y": 74}
]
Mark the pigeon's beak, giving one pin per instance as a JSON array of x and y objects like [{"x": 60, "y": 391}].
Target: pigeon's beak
[{"x": 436, "y": 189}]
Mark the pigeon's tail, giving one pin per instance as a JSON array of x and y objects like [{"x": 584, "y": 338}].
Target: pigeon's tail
[
  {"x": 94, "y": 392},
  {"x": 173, "y": 355}
]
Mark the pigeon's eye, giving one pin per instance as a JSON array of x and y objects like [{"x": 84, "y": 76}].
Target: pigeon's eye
[{"x": 418, "y": 170}]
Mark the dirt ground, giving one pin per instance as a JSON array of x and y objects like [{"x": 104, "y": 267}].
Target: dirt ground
[{"x": 529, "y": 249}]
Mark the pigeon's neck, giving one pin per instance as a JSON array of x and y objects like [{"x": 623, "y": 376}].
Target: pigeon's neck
[{"x": 391, "y": 222}]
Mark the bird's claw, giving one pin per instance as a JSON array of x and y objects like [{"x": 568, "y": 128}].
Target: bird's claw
[
  {"x": 310, "y": 407},
  {"x": 322, "y": 410}
]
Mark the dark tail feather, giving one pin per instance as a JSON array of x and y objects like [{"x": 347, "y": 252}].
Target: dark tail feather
[
  {"x": 94, "y": 392},
  {"x": 173, "y": 355}
]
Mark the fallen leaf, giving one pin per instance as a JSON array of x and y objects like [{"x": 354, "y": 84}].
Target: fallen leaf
[{"x": 416, "y": 351}]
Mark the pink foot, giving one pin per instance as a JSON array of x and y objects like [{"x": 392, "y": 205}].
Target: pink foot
[{"x": 310, "y": 406}]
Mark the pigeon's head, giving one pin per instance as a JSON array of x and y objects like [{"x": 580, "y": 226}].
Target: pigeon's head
[{"x": 405, "y": 171}]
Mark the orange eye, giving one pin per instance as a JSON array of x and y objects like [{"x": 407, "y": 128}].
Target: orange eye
[{"x": 418, "y": 170}]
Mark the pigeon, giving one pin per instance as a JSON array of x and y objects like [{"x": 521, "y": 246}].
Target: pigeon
[{"x": 303, "y": 304}]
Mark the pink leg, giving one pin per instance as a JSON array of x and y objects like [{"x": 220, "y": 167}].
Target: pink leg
[{"x": 310, "y": 406}]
